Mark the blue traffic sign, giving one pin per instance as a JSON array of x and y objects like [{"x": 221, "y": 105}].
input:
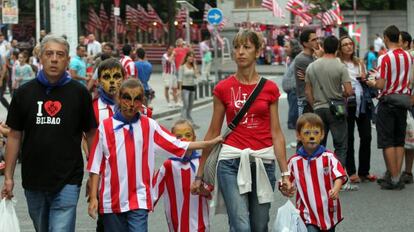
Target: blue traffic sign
[{"x": 214, "y": 16}]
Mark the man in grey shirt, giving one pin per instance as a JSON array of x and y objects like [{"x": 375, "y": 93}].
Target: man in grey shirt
[
  {"x": 332, "y": 75},
  {"x": 309, "y": 41}
]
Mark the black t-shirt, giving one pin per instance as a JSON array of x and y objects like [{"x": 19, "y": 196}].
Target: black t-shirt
[{"x": 52, "y": 126}]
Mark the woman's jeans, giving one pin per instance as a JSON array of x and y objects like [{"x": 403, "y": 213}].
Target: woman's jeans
[
  {"x": 53, "y": 211},
  {"x": 244, "y": 211},
  {"x": 293, "y": 109},
  {"x": 364, "y": 130},
  {"x": 188, "y": 101}
]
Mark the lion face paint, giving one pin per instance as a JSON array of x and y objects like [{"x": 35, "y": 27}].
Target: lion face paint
[
  {"x": 130, "y": 101},
  {"x": 310, "y": 136},
  {"x": 111, "y": 80}
]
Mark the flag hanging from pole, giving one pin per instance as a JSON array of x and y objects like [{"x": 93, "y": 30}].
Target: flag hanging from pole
[
  {"x": 297, "y": 7},
  {"x": 181, "y": 15},
  {"x": 142, "y": 17},
  {"x": 94, "y": 20},
  {"x": 274, "y": 7},
  {"x": 207, "y": 7},
  {"x": 104, "y": 19}
]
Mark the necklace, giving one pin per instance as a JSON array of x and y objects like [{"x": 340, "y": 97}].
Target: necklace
[{"x": 251, "y": 81}]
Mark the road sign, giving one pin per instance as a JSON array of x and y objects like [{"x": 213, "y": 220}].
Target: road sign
[{"x": 214, "y": 16}]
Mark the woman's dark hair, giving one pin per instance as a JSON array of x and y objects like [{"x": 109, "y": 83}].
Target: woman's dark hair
[
  {"x": 189, "y": 53},
  {"x": 296, "y": 48},
  {"x": 392, "y": 33},
  {"x": 406, "y": 37},
  {"x": 330, "y": 44}
]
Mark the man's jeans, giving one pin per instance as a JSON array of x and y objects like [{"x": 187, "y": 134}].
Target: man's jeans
[
  {"x": 134, "y": 220},
  {"x": 339, "y": 130},
  {"x": 293, "y": 109},
  {"x": 53, "y": 211},
  {"x": 244, "y": 211}
]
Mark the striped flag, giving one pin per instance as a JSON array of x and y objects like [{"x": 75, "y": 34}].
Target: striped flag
[
  {"x": 131, "y": 16},
  {"x": 103, "y": 16},
  {"x": 332, "y": 16},
  {"x": 297, "y": 7},
  {"x": 336, "y": 11},
  {"x": 152, "y": 15},
  {"x": 207, "y": 7},
  {"x": 223, "y": 23},
  {"x": 142, "y": 17},
  {"x": 94, "y": 20},
  {"x": 274, "y": 7},
  {"x": 181, "y": 15}
]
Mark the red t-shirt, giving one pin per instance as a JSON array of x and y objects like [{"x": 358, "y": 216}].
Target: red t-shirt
[
  {"x": 179, "y": 56},
  {"x": 253, "y": 130}
]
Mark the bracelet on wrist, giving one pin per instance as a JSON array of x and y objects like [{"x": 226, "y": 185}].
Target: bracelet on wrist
[{"x": 283, "y": 174}]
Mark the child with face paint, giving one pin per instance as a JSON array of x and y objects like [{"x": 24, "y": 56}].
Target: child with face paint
[
  {"x": 317, "y": 175},
  {"x": 182, "y": 172},
  {"x": 123, "y": 156}
]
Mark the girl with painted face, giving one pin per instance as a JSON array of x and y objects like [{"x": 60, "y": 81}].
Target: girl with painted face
[
  {"x": 124, "y": 149},
  {"x": 311, "y": 165},
  {"x": 175, "y": 171}
]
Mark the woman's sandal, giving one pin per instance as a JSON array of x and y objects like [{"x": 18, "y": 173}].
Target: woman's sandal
[{"x": 368, "y": 178}]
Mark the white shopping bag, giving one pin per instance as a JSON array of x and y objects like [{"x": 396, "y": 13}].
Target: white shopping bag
[
  {"x": 409, "y": 132},
  {"x": 8, "y": 217},
  {"x": 288, "y": 219}
]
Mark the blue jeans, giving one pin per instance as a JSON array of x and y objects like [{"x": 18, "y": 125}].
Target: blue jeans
[
  {"x": 53, "y": 211},
  {"x": 244, "y": 211},
  {"x": 293, "y": 109},
  {"x": 131, "y": 221},
  {"x": 188, "y": 102}
]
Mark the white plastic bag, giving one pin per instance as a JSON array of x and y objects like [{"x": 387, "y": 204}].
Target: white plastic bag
[
  {"x": 288, "y": 219},
  {"x": 8, "y": 217},
  {"x": 409, "y": 132}
]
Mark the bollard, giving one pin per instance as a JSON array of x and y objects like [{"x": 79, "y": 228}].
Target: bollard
[
  {"x": 211, "y": 84},
  {"x": 200, "y": 88},
  {"x": 206, "y": 88},
  {"x": 195, "y": 92}
]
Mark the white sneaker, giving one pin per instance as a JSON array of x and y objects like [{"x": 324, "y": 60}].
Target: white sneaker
[{"x": 178, "y": 104}]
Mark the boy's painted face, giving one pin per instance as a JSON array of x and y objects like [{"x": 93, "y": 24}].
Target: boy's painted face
[
  {"x": 111, "y": 80},
  {"x": 310, "y": 136},
  {"x": 130, "y": 100},
  {"x": 184, "y": 132}
]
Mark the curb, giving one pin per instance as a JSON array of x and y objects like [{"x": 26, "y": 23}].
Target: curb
[{"x": 170, "y": 112}]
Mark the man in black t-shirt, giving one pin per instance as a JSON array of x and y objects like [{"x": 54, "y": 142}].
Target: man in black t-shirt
[{"x": 52, "y": 111}]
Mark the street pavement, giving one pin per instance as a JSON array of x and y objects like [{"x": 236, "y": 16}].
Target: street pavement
[{"x": 369, "y": 209}]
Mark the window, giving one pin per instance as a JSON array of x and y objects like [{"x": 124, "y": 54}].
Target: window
[{"x": 242, "y": 4}]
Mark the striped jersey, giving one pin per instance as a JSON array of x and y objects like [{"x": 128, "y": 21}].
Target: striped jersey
[
  {"x": 167, "y": 65},
  {"x": 395, "y": 67},
  {"x": 124, "y": 158},
  {"x": 129, "y": 66},
  {"x": 102, "y": 110},
  {"x": 313, "y": 180},
  {"x": 184, "y": 211}
]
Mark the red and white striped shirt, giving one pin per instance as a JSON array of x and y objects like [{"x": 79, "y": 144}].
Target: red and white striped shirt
[
  {"x": 126, "y": 162},
  {"x": 167, "y": 65},
  {"x": 313, "y": 180},
  {"x": 129, "y": 66},
  {"x": 184, "y": 211},
  {"x": 102, "y": 111},
  {"x": 395, "y": 67}
]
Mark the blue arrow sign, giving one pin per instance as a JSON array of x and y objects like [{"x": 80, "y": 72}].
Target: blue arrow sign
[{"x": 214, "y": 16}]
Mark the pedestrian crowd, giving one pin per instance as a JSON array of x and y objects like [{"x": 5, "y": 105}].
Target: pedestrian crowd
[{"x": 98, "y": 104}]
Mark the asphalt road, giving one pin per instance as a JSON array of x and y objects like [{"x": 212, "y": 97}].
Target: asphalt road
[{"x": 369, "y": 209}]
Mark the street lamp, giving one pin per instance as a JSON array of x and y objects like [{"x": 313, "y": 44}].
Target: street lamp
[{"x": 188, "y": 8}]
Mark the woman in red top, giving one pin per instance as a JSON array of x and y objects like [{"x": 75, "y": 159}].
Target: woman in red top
[{"x": 258, "y": 137}]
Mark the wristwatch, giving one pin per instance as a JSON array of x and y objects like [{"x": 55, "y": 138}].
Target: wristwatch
[{"x": 285, "y": 174}]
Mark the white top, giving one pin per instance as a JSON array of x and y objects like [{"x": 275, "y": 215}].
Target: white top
[
  {"x": 244, "y": 176},
  {"x": 94, "y": 48},
  {"x": 378, "y": 43}
]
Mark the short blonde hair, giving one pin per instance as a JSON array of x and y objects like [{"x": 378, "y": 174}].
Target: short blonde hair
[{"x": 245, "y": 35}]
